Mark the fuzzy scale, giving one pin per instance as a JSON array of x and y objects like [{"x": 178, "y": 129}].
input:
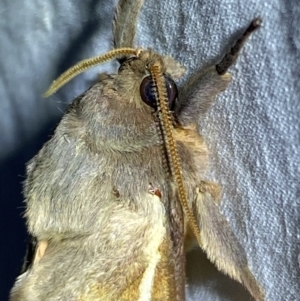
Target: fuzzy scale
[
  {"x": 103, "y": 245},
  {"x": 71, "y": 204},
  {"x": 99, "y": 201}
]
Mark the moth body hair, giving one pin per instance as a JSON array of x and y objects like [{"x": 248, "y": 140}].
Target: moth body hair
[{"x": 101, "y": 200}]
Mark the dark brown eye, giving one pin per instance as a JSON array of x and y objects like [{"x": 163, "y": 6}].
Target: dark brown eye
[
  {"x": 147, "y": 94},
  {"x": 172, "y": 92}
]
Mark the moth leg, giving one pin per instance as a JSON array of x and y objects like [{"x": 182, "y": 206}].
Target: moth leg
[
  {"x": 200, "y": 90},
  {"x": 199, "y": 93},
  {"x": 219, "y": 241},
  {"x": 231, "y": 56}
]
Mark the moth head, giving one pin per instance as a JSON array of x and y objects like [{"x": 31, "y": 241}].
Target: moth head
[
  {"x": 148, "y": 57},
  {"x": 135, "y": 73}
]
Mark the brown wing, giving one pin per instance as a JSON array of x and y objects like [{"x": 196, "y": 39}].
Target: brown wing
[
  {"x": 169, "y": 279},
  {"x": 177, "y": 239}
]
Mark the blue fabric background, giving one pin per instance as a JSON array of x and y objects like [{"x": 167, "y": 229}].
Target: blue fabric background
[{"x": 253, "y": 129}]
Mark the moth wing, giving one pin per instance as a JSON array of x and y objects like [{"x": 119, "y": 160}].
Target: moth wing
[
  {"x": 219, "y": 241},
  {"x": 125, "y": 21}
]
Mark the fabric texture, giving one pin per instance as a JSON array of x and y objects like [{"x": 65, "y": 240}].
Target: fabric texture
[{"x": 252, "y": 130}]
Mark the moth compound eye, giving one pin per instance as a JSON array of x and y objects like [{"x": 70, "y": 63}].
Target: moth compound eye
[
  {"x": 147, "y": 93},
  {"x": 172, "y": 92}
]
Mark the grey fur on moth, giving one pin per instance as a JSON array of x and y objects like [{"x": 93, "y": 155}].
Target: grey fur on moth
[
  {"x": 88, "y": 202},
  {"x": 108, "y": 140}
]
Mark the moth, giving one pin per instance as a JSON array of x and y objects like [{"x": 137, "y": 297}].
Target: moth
[{"x": 117, "y": 196}]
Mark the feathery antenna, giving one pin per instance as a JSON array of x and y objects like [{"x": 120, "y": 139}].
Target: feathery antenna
[
  {"x": 86, "y": 64},
  {"x": 231, "y": 56},
  {"x": 171, "y": 148}
]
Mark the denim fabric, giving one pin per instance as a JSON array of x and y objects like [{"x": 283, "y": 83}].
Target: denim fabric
[{"x": 252, "y": 130}]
